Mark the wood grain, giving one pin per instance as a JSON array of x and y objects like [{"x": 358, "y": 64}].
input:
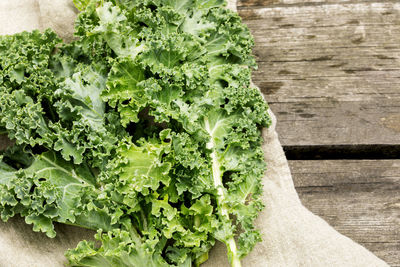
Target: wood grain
[
  {"x": 257, "y": 3},
  {"x": 331, "y": 71},
  {"x": 360, "y": 198},
  {"x": 333, "y": 122}
]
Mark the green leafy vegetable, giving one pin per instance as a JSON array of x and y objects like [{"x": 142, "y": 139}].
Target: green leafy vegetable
[{"x": 145, "y": 129}]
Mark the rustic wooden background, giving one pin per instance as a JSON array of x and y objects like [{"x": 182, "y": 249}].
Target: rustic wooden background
[{"x": 331, "y": 73}]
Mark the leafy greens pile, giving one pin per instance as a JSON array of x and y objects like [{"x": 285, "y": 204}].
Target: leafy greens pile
[{"x": 145, "y": 128}]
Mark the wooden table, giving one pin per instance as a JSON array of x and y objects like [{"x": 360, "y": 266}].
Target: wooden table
[{"x": 331, "y": 73}]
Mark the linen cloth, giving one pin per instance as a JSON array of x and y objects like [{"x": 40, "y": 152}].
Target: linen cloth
[{"x": 292, "y": 235}]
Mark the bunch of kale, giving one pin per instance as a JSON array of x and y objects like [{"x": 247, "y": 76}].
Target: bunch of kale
[{"x": 145, "y": 129}]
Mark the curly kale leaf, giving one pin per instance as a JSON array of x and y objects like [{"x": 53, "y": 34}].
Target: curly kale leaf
[
  {"x": 53, "y": 190},
  {"x": 119, "y": 248},
  {"x": 56, "y": 102}
]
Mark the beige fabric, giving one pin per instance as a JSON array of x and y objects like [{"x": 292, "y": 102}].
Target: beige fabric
[
  {"x": 293, "y": 236},
  {"x": 21, "y": 247},
  {"x": 18, "y": 15},
  {"x": 58, "y": 15}
]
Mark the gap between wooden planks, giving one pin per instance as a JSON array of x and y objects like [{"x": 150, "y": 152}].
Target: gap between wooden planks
[{"x": 330, "y": 70}]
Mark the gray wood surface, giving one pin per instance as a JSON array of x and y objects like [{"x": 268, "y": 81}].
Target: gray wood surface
[
  {"x": 258, "y": 3},
  {"x": 360, "y": 198},
  {"x": 330, "y": 69}
]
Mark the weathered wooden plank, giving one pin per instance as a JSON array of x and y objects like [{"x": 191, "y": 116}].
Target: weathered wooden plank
[
  {"x": 256, "y": 3},
  {"x": 342, "y": 45},
  {"x": 331, "y": 72},
  {"x": 333, "y": 122},
  {"x": 359, "y": 198},
  {"x": 388, "y": 251}
]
